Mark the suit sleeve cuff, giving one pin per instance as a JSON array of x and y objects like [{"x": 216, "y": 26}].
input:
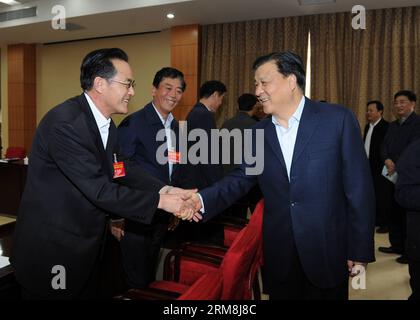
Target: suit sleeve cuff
[{"x": 202, "y": 210}]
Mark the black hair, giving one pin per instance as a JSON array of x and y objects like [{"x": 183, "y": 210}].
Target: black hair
[
  {"x": 210, "y": 87},
  {"x": 407, "y": 93},
  {"x": 169, "y": 72},
  {"x": 379, "y": 105},
  {"x": 98, "y": 64},
  {"x": 247, "y": 101},
  {"x": 287, "y": 63}
]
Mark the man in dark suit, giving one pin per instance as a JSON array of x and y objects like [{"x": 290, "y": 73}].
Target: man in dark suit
[
  {"x": 204, "y": 173},
  {"x": 137, "y": 135},
  {"x": 374, "y": 134},
  {"x": 242, "y": 120},
  {"x": 408, "y": 196},
  {"x": 247, "y": 104},
  {"x": 201, "y": 117},
  {"x": 76, "y": 177},
  {"x": 400, "y": 134},
  {"x": 319, "y": 215}
]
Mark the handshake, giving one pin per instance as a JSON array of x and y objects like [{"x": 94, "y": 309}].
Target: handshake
[{"x": 182, "y": 203}]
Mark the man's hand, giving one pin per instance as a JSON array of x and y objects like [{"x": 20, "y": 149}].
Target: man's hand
[
  {"x": 181, "y": 205},
  {"x": 355, "y": 268},
  {"x": 390, "y": 165},
  {"x": 197, "y": 202},
  {"x": 117, "y": 228},
  {"x": 176, "y": 190}
]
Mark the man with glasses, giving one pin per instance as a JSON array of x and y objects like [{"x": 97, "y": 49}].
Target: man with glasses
[
  {"x": 138, "y": 137},
  {"x": 400, "y": 134},
  {"x": 76, "y": 177}
]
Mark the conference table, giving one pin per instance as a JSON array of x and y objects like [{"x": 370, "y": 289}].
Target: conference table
[
  {"x": 12, "y": 184},
  {"x": 9, "y": 289}
]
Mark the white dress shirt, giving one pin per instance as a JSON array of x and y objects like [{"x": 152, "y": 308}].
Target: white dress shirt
[
  {"x": 167, "y": 125},
  {"x": 287, "y": 136},
  {"x": 102, "y": 122},
  {"x": 369, "y": 136}
]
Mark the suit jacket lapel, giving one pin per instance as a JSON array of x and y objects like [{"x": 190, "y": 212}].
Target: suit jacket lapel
[
  {"x": 93, "y": 129},
  {"x": 273, "y": 142},
  {"x": 91, "y": 123},
  {"x": 307, "y": 126}
]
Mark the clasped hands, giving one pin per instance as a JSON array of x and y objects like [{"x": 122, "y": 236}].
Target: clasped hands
[{"x": 183, "y": 203}]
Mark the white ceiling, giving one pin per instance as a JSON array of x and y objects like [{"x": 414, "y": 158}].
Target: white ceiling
[
  {"x": 7, "y": 7},
  {"x": 111, "y": 17}
]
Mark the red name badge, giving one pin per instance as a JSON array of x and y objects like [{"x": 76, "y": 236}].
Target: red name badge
[
  {"x": 174, "y": 157},
  {"x": 119, "y": 170}
]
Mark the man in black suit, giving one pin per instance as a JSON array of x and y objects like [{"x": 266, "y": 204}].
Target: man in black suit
[
  {"x": 375, "y": 131},
  {"x": 202, "y": 116},
  {"x": 408, "y": 196},
  {"x": 401, "y": 133},
  {"x": 75, "y": 178},
  {"x": 244, "y": 119},
  {"x": 204, "y": 173},
  {"x": 137, "y": 135}
]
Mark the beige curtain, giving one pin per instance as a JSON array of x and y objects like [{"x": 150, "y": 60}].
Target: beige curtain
[
  {"x": 229, "y": 50},
  {"x": 351, "y": 67}
]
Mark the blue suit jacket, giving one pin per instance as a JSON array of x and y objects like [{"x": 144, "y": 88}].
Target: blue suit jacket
[
  {"x": 407, "y": 193},
  {"x": 137, "y": 138},
  {"x": 326, "y": 210}
]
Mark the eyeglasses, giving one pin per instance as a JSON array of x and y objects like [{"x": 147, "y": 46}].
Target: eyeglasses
[{"x": 128, "y": 84}]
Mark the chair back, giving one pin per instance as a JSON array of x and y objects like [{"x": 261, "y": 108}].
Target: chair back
[
  {"x": 15, "y": 152},
  {"x": 208, "y": 287},
  {"x": 242, "y": 260}
]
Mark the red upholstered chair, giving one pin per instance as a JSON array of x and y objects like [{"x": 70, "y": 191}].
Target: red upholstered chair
[
  {"x": 238, "y": 268},
  {"x": 207, "y": 287},
  {"x": 15, "y": 152},
  {"x": 241, "y": 261}
]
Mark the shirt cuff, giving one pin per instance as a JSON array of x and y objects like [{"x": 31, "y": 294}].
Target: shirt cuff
[
  {"x": 202, "y": 204},
  {"x": 165, "y": 189}
]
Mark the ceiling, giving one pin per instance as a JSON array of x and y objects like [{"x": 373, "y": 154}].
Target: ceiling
[
  {"x": 100, "y": 18},
  {"x": 6, "y": 6}
]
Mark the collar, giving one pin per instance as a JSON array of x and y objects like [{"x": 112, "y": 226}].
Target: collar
[
  {"x": 100, "y": 119},
  {"x": 169, "y": 119},
  {"x": 377, "y": 121},
  {"x": 296, "y": 116},
  {"x": 206, "y": 107}
]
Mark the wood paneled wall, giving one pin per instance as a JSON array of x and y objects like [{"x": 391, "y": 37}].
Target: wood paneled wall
[
  {"x": 21, "y": 59},
  {"x": 185, "y": 56}
]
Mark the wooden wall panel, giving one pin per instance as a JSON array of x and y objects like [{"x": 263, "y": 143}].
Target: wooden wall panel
[
  {"x": 21, "y": 94},
  {"x": 185, "y": 56}
]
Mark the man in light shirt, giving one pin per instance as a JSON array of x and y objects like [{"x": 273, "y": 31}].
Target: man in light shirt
[
  {"x": 137, "y": 135},
  {"x": 319, "y": 215},
  {"x": 374, "y": 134}
]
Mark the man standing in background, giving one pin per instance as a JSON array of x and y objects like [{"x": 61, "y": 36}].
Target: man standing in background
[
  {"x": 201, "y": 175},
  {"x": 408, "y": 196},
  {"x": 400, "y": 134},
  {"x": 244, "y": 119},
  {"x": 374, "y": 134},
  {"x": 137, "y": 134}
]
